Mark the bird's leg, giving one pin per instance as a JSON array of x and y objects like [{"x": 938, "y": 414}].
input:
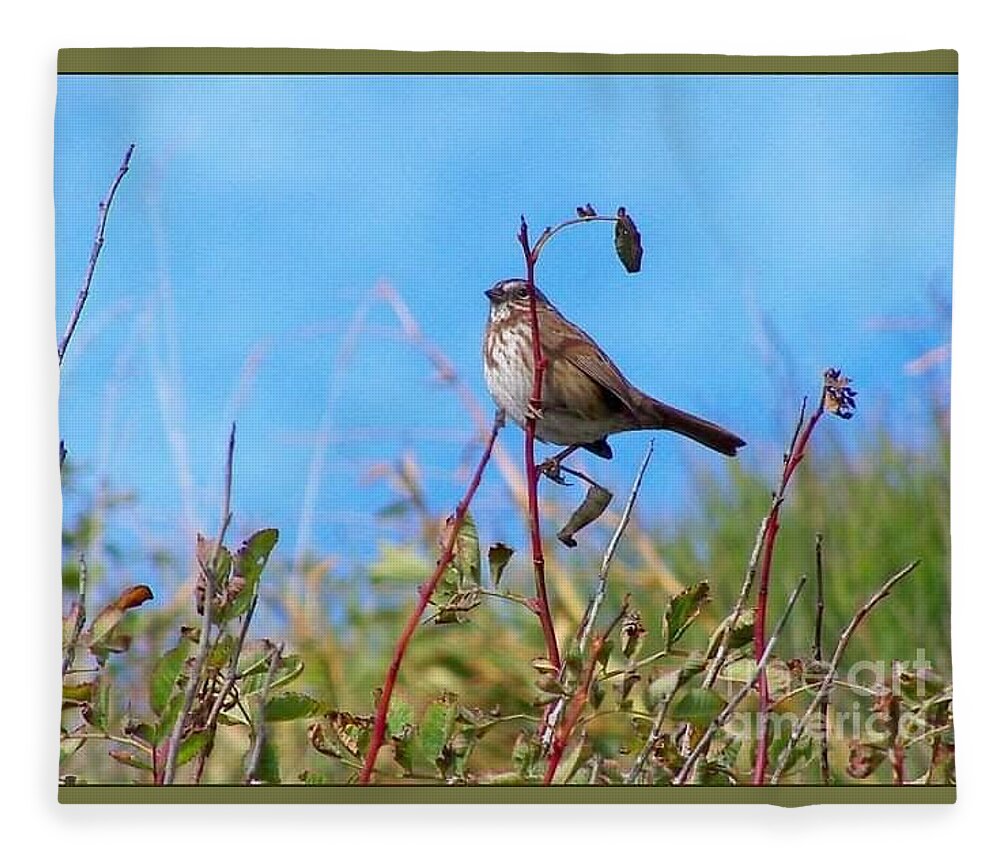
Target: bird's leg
[{"x": 551, "y": 467}]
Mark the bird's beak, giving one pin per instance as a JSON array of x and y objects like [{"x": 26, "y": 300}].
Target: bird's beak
[{"x": 493, "y": 293}]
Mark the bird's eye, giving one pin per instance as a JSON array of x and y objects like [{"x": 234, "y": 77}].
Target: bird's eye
[{"x": 522, "y": 292}]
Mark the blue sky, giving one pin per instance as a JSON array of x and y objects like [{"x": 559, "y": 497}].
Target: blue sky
[{"x": 786, "y": 220}]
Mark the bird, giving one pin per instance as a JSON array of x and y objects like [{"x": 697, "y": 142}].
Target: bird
[{"x": 585, "y": 397}]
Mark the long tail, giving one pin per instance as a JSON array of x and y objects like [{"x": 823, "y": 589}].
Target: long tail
[{"x": 658, "y": 416}]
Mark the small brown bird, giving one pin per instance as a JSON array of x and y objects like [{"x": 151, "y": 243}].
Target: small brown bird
[{"x": 585, "y": 397}]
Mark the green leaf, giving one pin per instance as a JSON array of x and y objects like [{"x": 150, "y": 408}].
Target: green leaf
[
  {"x": 437, "y": 726},
  {"x": 96, "y": 711},
  {"x": 697, "y": 706},
  {"x": 291, "y": 706},
  {"x": 288, "y": 669},
  {"x": 628, "y": 242},
  {"x": 268, "y": 769},
  {"x": 681, "y": 611},
  {"x": 526, "y": 754},
  {"x": 251, "y": 558},
  {"x": 467, "y": 558},
  {"x": 191, "y": 746},
  {"x": 400, "y": 716},
  {"x": 571, "y": 760},
  {"x": 499, "y": 555},
  {"x": 163, "y": 682},
  {"x": 169, "y": 716},
  {"x": 78, "y": 692}
]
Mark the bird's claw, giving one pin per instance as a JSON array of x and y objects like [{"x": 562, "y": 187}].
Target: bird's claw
[
  {"x": 552, "y": 469},
  {"x": 533, "y": 412}
]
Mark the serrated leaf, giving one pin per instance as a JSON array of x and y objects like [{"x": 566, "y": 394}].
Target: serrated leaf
[
  {"x": 499, "y": 556},
  {"x": 681, "y": 611},
  {"x": 628, "y": 242},
  {"x": 697, "y": 705},
  {"x": 400, "y": 716},
  {"x": 250, "y": 560},
  {"x": 437, "y": 725},
  {"x": 466, "y": 561},
  {"x": 163, "y": 682},
  {"x": 291, "y": 706}
]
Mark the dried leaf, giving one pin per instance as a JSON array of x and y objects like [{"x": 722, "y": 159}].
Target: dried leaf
[
  {"x": 499, "y": 555},
  {"x": 595, "y": 504},
  {"x": 628, "y": 242}
]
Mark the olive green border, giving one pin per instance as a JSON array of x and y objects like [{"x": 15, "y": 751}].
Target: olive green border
[
  {"x": 307, "y": 61},
  {"x": 219, "y": 61},
  {"x": 782, "y": 795}
]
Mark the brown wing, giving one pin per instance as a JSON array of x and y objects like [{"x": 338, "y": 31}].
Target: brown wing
[{"x": 560, "y": 338}]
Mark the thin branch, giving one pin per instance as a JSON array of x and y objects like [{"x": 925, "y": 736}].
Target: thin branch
[
  {"x": 104, "y": 207},
  {"x": 602, "y": 578},
  {"x": 425, "y": 593},
  {"x": 597, "y": 599},
  {"x": 726, "y": 713},
  {"x": 69, "y": 650},
  {"x": 260, "y": 729},
  {"x": 579, "y": 701},
  {"x": 174, "y": 743},
  {"x": 549, "y": 232},
  {"x": 228, "y": 683},
  {"x": 828, "y": 680},
  {"x": 824, "y": 713}
]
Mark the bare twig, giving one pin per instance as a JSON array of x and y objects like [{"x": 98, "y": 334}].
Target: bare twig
[
  {"x": 104, "y": 207},
  {"x": 726, "y": 713},
  {"x": 260, "y": 729},
  {"x": 602, "y": 578},
  {"x": 425, "y": 593},
  {"x": 597, "y": 599},
  {"x": 828, "y": 680},
  {"x": 824, "y": 712},
  {"x": 69, "y": 649},
  {"x": 579, "y": 701},
  {"x": 204, "y": 640},
  {"x": 228, "y": 683}
]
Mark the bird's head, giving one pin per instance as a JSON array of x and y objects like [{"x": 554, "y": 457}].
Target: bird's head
[{"x": 513, "y": 293}]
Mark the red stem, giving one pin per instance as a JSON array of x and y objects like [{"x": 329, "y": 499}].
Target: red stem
[
  {"x": 579, "y": 700},
  {"x": 424, "y": 595},
  {"x": 576, "y": 706},
  {"x": 541, "y": 607},
  {"x": 798, "y": 449}
]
